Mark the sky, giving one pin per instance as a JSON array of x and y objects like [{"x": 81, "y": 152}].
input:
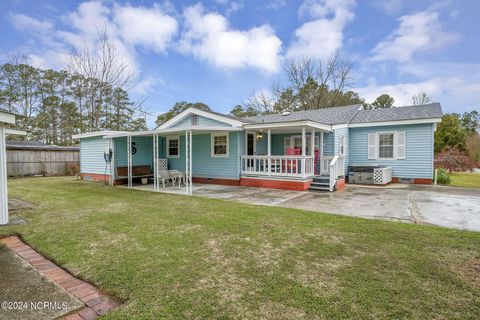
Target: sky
[{"x": 220, "y": 52}]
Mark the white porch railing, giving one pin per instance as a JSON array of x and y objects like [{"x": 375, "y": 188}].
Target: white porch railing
[
  {"x": 288, "y": 166},
  {"x": 336, "y": 168}
]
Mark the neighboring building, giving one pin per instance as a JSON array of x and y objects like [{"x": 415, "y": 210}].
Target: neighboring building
[{"x": 273, "y": 151}]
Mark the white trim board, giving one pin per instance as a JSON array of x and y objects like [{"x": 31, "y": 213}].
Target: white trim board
[
  {"x": 7, "y": 117},
  {"x": 182, "y": 115},
  {"x": 97, "y": 134},
  {"x": 288, "y": 124},
  {"x": 394, "y": 123}
]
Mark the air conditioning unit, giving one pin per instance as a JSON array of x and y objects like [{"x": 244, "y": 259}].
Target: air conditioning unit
[{"x": 370, "y": 174}]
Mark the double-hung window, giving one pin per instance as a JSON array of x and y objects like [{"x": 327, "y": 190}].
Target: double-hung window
[
  {"x": 173, "y": 147},
  {"x": 386, "y": 145},
  {"x": 219, "y": 145}
]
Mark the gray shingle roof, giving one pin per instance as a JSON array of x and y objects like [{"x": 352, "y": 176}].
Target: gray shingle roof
[
  {"x": 353, "y": 114},
  {"x": 426, "y": 111},
  {"x": 336, "y": 115}
]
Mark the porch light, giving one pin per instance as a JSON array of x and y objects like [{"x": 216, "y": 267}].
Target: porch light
[{"x": 259, "y": 136}]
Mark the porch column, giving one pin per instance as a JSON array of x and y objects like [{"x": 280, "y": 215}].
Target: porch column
[
  {"x": 269, "y": 160},
  {"x": 129, "y": 160},
  {"x": 3, "y": 178},
  {"x": 312, "y": 151},
  {"x": 155, "y": 154},
  {"x": 188, "y": 162},
  {"x": 304, "y": 151},
  {"x": 110, "y": 147}
]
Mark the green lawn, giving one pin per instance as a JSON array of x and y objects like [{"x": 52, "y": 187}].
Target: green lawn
[
  {"x": 465, "y": 179},
  {"x": 171, "y": 256}
]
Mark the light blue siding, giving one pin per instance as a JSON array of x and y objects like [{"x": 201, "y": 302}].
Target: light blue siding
[
  {"x": 418, "y": 162},
  {"x": 142, "y": 157},
  {"x": 202, "y": 122},
  {"x": 206, "y": 166},
  {"x": 328, "y": 144},
  {"x": 91, "y": 155}
]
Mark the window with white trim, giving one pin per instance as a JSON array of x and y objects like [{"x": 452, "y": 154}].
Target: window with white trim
[
  {"x": 386, "y": 145},
  {"x": 220, "y": 144},
  {"x": 173, "y": 147},
  {"x": 342, "y": 145}
]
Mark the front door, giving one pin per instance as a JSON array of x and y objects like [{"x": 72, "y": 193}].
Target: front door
[{"x": 250, "y": 148}]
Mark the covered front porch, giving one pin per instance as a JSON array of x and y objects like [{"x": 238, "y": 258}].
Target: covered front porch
[{"x": 292, "y": 151}]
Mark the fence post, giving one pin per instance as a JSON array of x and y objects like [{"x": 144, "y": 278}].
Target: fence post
[{"x": 435, "y": 177}]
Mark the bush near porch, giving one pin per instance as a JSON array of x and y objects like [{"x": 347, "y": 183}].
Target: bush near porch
[{"x": 171, "y": 256}]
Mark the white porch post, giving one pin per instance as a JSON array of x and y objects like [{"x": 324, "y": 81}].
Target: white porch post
[
  {"x": 187, "y": 165},
  {"x": 304, "y": 144},
  {"x": 3, "y": 179},
  {"x": 312, "y": 150},
  {"x": 190, "y": 160},
  {"x": 129, "y": 160},
  {"x": 110, "y": 147},
  {"x": 155, "y": 154},
  {"x": 269, "y": 160},
  {"x": 320, "y": 154}
]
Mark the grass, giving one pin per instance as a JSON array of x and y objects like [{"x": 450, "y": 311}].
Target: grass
[
  {"x": 171, "y": 256},
  {"x": 465, "y": 179}
]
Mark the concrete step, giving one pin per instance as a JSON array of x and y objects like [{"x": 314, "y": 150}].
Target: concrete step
[
  {"x": 319, "y": 188},
  {"x": 321, "y": 179}
]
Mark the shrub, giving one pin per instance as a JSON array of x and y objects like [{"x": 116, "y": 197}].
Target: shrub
[
  {"x": 454, "y": 159},
  {"x": 443, "y": 177}
]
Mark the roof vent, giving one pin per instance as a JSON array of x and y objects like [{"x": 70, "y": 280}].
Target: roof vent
[{"x": 285, "y": 113}]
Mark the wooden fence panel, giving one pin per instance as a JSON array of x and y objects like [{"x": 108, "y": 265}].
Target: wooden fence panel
[{"x": 29, "y": 162}]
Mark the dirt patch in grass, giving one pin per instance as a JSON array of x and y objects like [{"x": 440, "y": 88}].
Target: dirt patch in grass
[{"x": 471, "y": 270}]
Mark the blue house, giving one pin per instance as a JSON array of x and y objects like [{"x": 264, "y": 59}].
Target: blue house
[{"x": 292, "y": 150}]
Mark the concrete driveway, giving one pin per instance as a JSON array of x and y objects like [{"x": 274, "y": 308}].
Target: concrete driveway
[{"x": 451, "y": 207}]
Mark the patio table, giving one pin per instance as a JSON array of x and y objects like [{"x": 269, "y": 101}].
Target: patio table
[{"x": 177, "y": 175}]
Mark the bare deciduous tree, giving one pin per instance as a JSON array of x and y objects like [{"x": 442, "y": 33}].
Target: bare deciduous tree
[
  {"x": 260, "y": 102},
  {"x": 421, "y": 98},
  {"x": 318, "y": 84},
  {"x": 103, "y": 68}
]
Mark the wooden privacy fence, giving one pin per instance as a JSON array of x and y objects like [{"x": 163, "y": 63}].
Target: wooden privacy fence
[{"x": 29, "y": 159}]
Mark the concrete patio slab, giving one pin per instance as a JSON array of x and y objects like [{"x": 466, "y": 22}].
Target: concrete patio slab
[{"x": 450, "y": 207}]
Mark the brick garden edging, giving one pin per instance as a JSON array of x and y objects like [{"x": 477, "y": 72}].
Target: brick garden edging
[{"x": 96, "y": 303}]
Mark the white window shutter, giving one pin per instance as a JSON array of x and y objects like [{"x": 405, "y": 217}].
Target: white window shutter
[
  {"x": 401, "y": 142},
  {"x": 372, "y": 146}
]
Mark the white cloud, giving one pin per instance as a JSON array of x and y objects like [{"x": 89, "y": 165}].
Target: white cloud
[
  {"x": 148, "y": 27},
  {"x": 209, "y": 37},
  {"x": 456, "y": 94},
  {"x": 418, "y": 32},
  {"x": 389, "y": 6},
  {"x": 24, "y": 22},
  {"x": 276, "y": 4},
  {"x": 127, "y": 26},
  {"x": 323, "y": 35}
]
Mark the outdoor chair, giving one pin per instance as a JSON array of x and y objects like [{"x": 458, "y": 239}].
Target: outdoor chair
[{"x": 162, "y": 172}]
